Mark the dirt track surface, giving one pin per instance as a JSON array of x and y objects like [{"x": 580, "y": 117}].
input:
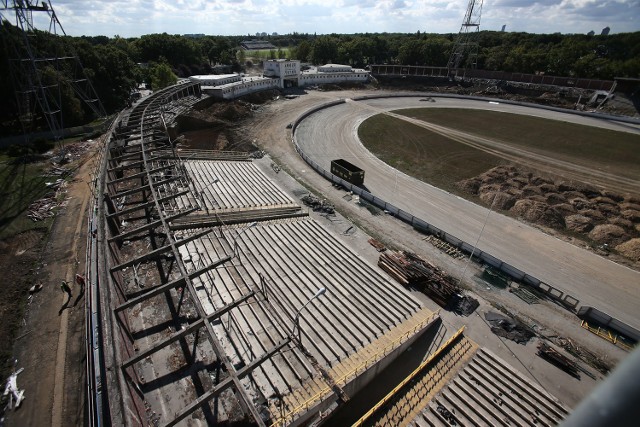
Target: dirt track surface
[{"x": 332, "y": 133}]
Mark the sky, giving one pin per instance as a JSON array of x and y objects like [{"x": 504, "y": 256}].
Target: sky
[{"x": 133, "y": 18}]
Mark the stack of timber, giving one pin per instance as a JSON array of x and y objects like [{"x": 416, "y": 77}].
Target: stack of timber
[
  {"x": 554, "y": 357},
  {"x": 412, "y": 271}
]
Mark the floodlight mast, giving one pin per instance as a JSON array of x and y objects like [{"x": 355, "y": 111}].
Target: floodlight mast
[
  {"x": 465, "y": 49},
  {"x": 36, "y": 94}
]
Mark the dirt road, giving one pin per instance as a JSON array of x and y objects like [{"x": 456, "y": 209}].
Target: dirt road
[{"x": 52, "y": 348}]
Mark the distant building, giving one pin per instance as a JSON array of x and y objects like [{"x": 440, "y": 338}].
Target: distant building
[
  {"x": 288, "y": 73},
  {"x": 605, "y": 31},
  {"x": 256, "y": 45},
  {"x": 591, "y": 33},
  {"x": 503, "y": 27},
  {"x": 278, "y": 73},
  {"x": 215, "y": 79}
]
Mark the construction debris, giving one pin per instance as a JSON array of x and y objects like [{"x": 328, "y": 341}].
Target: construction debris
[
  {"x": 378, "y": 245},
  {"x": 412, "y": 271},
  {"x": 318, "y": 205},
  {"x": 589, "y": 357},
  {"x": 463, "y": 305},
  {"x": 15, "y": 395},
  {"x": 554, "y": 357},
  {"x": 445, "y": 247},
  {"x": 511, "y": 329}
]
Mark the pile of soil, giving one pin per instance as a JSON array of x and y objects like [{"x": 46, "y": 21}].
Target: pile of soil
[
  {"x": 210, "y": 125},
  {"x": 607, "y": 219}
]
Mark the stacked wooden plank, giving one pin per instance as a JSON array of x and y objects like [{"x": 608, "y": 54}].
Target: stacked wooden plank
[{"x": 412, "y": 271}]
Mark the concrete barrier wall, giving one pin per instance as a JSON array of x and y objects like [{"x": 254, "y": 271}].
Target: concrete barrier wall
[
  {"x": 422, "y": 225},
  {"x": 594, "y": 315}
]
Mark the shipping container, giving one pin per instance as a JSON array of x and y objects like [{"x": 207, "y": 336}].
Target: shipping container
[{"x": 347, "y": 171}]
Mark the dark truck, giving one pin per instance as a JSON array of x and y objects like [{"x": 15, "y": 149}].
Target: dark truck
[{"x": 347, "y": 171}]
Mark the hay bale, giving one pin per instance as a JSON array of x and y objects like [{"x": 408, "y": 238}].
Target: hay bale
[
  {"x": 608, "y": 233},
  {"x": 630, "y": 249},
  {"x": 499, "y": 200},
  {"x": 578, "y": 223}
]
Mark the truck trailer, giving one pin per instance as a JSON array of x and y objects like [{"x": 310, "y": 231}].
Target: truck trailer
[{"x": 347, "y": 171}]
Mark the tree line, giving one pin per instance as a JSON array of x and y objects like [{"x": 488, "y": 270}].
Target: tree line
[{"x": 117, "y": 65}]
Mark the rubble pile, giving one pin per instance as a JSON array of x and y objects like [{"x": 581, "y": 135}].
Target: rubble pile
[
  {"x": 318, "y": 205},
  {"x": 508, "y": 328}
]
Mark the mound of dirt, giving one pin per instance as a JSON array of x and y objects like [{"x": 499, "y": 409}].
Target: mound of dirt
[
  {"x": 529, "y": 210},
  {"x": 578, "y": 223},
  {"x": 470, "y": 186},
  {"x": 630, "y": 249},
  {"x": 499, "y": 200},
  {"x": 631, "y": 215},
  {"x": 563, "y": 209},
  {"x": 608, "y": 233}
]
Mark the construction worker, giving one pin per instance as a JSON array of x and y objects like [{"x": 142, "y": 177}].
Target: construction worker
[
  {"x": 80, "y": 281},
  {"x": 65, "y": 288}
]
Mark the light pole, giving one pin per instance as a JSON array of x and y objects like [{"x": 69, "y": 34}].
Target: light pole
[
  {"x": 235, "y": 239},
  {"x": 296, "y": 320}
]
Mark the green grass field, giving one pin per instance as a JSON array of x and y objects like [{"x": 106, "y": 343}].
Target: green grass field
[{"x": 442, "y": 162}]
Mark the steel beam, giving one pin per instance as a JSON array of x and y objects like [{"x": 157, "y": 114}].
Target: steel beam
[
  {"x": 149, "y": 226},
  {"x": 186, "y": 331},
  {"x": 226, "y": 383},
  {"x": 156, "y": 252},
  {"x": 147, "y": 204},
  {"x": 173, "y": 284}
]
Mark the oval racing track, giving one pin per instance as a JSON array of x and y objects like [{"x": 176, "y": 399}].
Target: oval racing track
[{"x": 332, "y": 133}]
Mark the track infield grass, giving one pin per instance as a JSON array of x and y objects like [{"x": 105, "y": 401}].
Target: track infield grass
[{"x": 442, "y": 162}]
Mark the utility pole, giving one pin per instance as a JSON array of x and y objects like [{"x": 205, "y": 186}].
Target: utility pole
[
  {"x": 38, "y": 73},
  {"x": 465, "y": 49}
]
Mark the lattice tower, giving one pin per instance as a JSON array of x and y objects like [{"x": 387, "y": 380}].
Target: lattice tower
[
  {"x": 37, "y": 94},
  {"x": 465, "y": 49}
]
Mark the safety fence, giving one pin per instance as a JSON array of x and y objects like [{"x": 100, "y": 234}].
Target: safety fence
[{"x": 423, "y": 226}]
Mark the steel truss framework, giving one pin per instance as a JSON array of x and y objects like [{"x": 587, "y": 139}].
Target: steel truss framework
[
  {"x": 465, "y": 49},
  {"x": 35, "y": 89},
  {"x": 146, "y": 125}
]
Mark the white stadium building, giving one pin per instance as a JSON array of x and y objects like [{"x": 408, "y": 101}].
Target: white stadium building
[{"x": 278, "y": 73}]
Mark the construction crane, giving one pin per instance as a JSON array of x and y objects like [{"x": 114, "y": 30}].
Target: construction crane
[
  {"x": 465, "y": 49},
  {"x": 38, "y": 94}
]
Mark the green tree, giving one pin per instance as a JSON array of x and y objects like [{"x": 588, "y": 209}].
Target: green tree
[{"x": 162, "y": 76}]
